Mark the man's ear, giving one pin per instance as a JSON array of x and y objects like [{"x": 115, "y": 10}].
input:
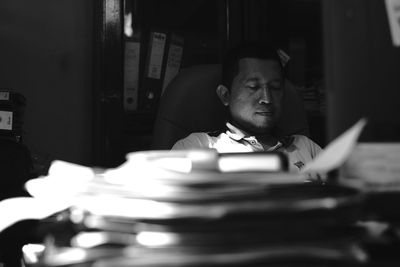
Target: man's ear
[{"x": 223, "y": 94}]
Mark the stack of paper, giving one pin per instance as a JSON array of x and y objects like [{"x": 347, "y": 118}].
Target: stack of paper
[
  {"x": 179, "y": 208},
  {"x": 192, "y": 208},
  {"x": 375, "y": 168}
]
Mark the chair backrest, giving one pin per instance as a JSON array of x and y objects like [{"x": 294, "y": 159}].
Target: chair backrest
[{"x": 190, "y": 104}]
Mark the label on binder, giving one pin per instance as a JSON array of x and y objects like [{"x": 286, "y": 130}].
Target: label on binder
[
  {"x": 158, "y": 41},
  {"x": 4, "y": 96},
  {"x": 6, "y": 120}
]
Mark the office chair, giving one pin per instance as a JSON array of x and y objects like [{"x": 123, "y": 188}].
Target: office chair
[{"x": 190, "y": 104}]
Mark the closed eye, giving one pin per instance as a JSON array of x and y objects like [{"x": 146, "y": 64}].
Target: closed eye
[{"x": 253, "y": 86}]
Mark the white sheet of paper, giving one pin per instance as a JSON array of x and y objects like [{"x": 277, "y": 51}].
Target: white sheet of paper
[
  {"x": 65, "y": 180},
  {"x": 51, "y": 194},
  {"x": 337, "y": 151},
  {"x": 18, "y": 209}
]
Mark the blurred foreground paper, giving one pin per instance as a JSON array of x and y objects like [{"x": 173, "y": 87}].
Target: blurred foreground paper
[
  {"x": 147, "y": 177},
  {"x": 51, "y": 194},
  {"x": 17, "y": 209},
  {"x": 335, "y": 154}
]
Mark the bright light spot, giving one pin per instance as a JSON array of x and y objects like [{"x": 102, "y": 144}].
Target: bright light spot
[
  {"x": 32, "y": 252},
  {"x": 65, "y": 180},
  {"x": 89, "y": 240},
  {"x": 77, "y": 215},
  {"x": 70, "y": 171},
  {"x": 156, "y": 239},
  {"x": 123, "y": 207},
  {"x": 249, "y": 162},
  {"x": 128, "y": 25},
  {"x": 70, "y": 256}
]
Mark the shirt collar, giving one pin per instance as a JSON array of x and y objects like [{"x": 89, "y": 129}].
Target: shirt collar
[
  {"x": 238, "y": 134},
  {"x": 235, "y": 133},
  {"x": 275, "y": 147}
]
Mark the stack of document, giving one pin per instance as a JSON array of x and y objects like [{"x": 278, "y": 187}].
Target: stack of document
[
  {"x": 191, "y": 209},
  {"x": 375, "y": 168}
]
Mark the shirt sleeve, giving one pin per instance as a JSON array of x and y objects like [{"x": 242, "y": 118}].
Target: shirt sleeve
[
  {"x": 306, "y": 145},
  {"x": 315, "y": 149}
]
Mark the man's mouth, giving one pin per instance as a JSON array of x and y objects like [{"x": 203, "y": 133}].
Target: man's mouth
[{"x": 265, "y": 113}]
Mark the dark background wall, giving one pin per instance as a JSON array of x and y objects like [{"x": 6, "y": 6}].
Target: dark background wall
[
  {"x": 46, "y": 54},
  {"x": 362, "y": 68}
]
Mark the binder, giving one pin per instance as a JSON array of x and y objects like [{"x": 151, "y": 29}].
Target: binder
[
  {"x": 131, "y": 72},
  {"x": 153, "y": 71},
  {"x": 174, "y": 58},
  {"x": 6, "y": 112},
  {"x": 6, "y": 120},
  {"x": 12, "y": 106}
]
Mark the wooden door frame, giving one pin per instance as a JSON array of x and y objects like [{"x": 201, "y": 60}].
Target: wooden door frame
[{"x": 107, "y": 83}]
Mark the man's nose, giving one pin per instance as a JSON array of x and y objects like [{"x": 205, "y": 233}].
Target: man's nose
[{"x": 265, "y": 97}]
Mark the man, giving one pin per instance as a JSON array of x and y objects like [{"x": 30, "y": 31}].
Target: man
[{"x": 252, "y": 88}]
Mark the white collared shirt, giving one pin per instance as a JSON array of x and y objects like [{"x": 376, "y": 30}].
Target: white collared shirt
[{"x": 300, "y": 151}]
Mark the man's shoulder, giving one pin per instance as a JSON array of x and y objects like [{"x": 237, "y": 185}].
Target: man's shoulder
[
  {"x": 197, "y": 140},
  {"x": 197, "y": 136},
  {"x": 204, "y": 135},
  {"x": 300, "y": 138}
]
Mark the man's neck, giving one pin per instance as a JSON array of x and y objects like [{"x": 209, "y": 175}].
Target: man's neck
[{"x": 265, "y": 138}]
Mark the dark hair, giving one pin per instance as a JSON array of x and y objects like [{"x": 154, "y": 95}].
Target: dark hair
[{"x": 230, "y": 65}]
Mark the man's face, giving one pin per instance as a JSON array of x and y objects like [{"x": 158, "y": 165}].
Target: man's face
[{"x": 256, "y": 94}]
